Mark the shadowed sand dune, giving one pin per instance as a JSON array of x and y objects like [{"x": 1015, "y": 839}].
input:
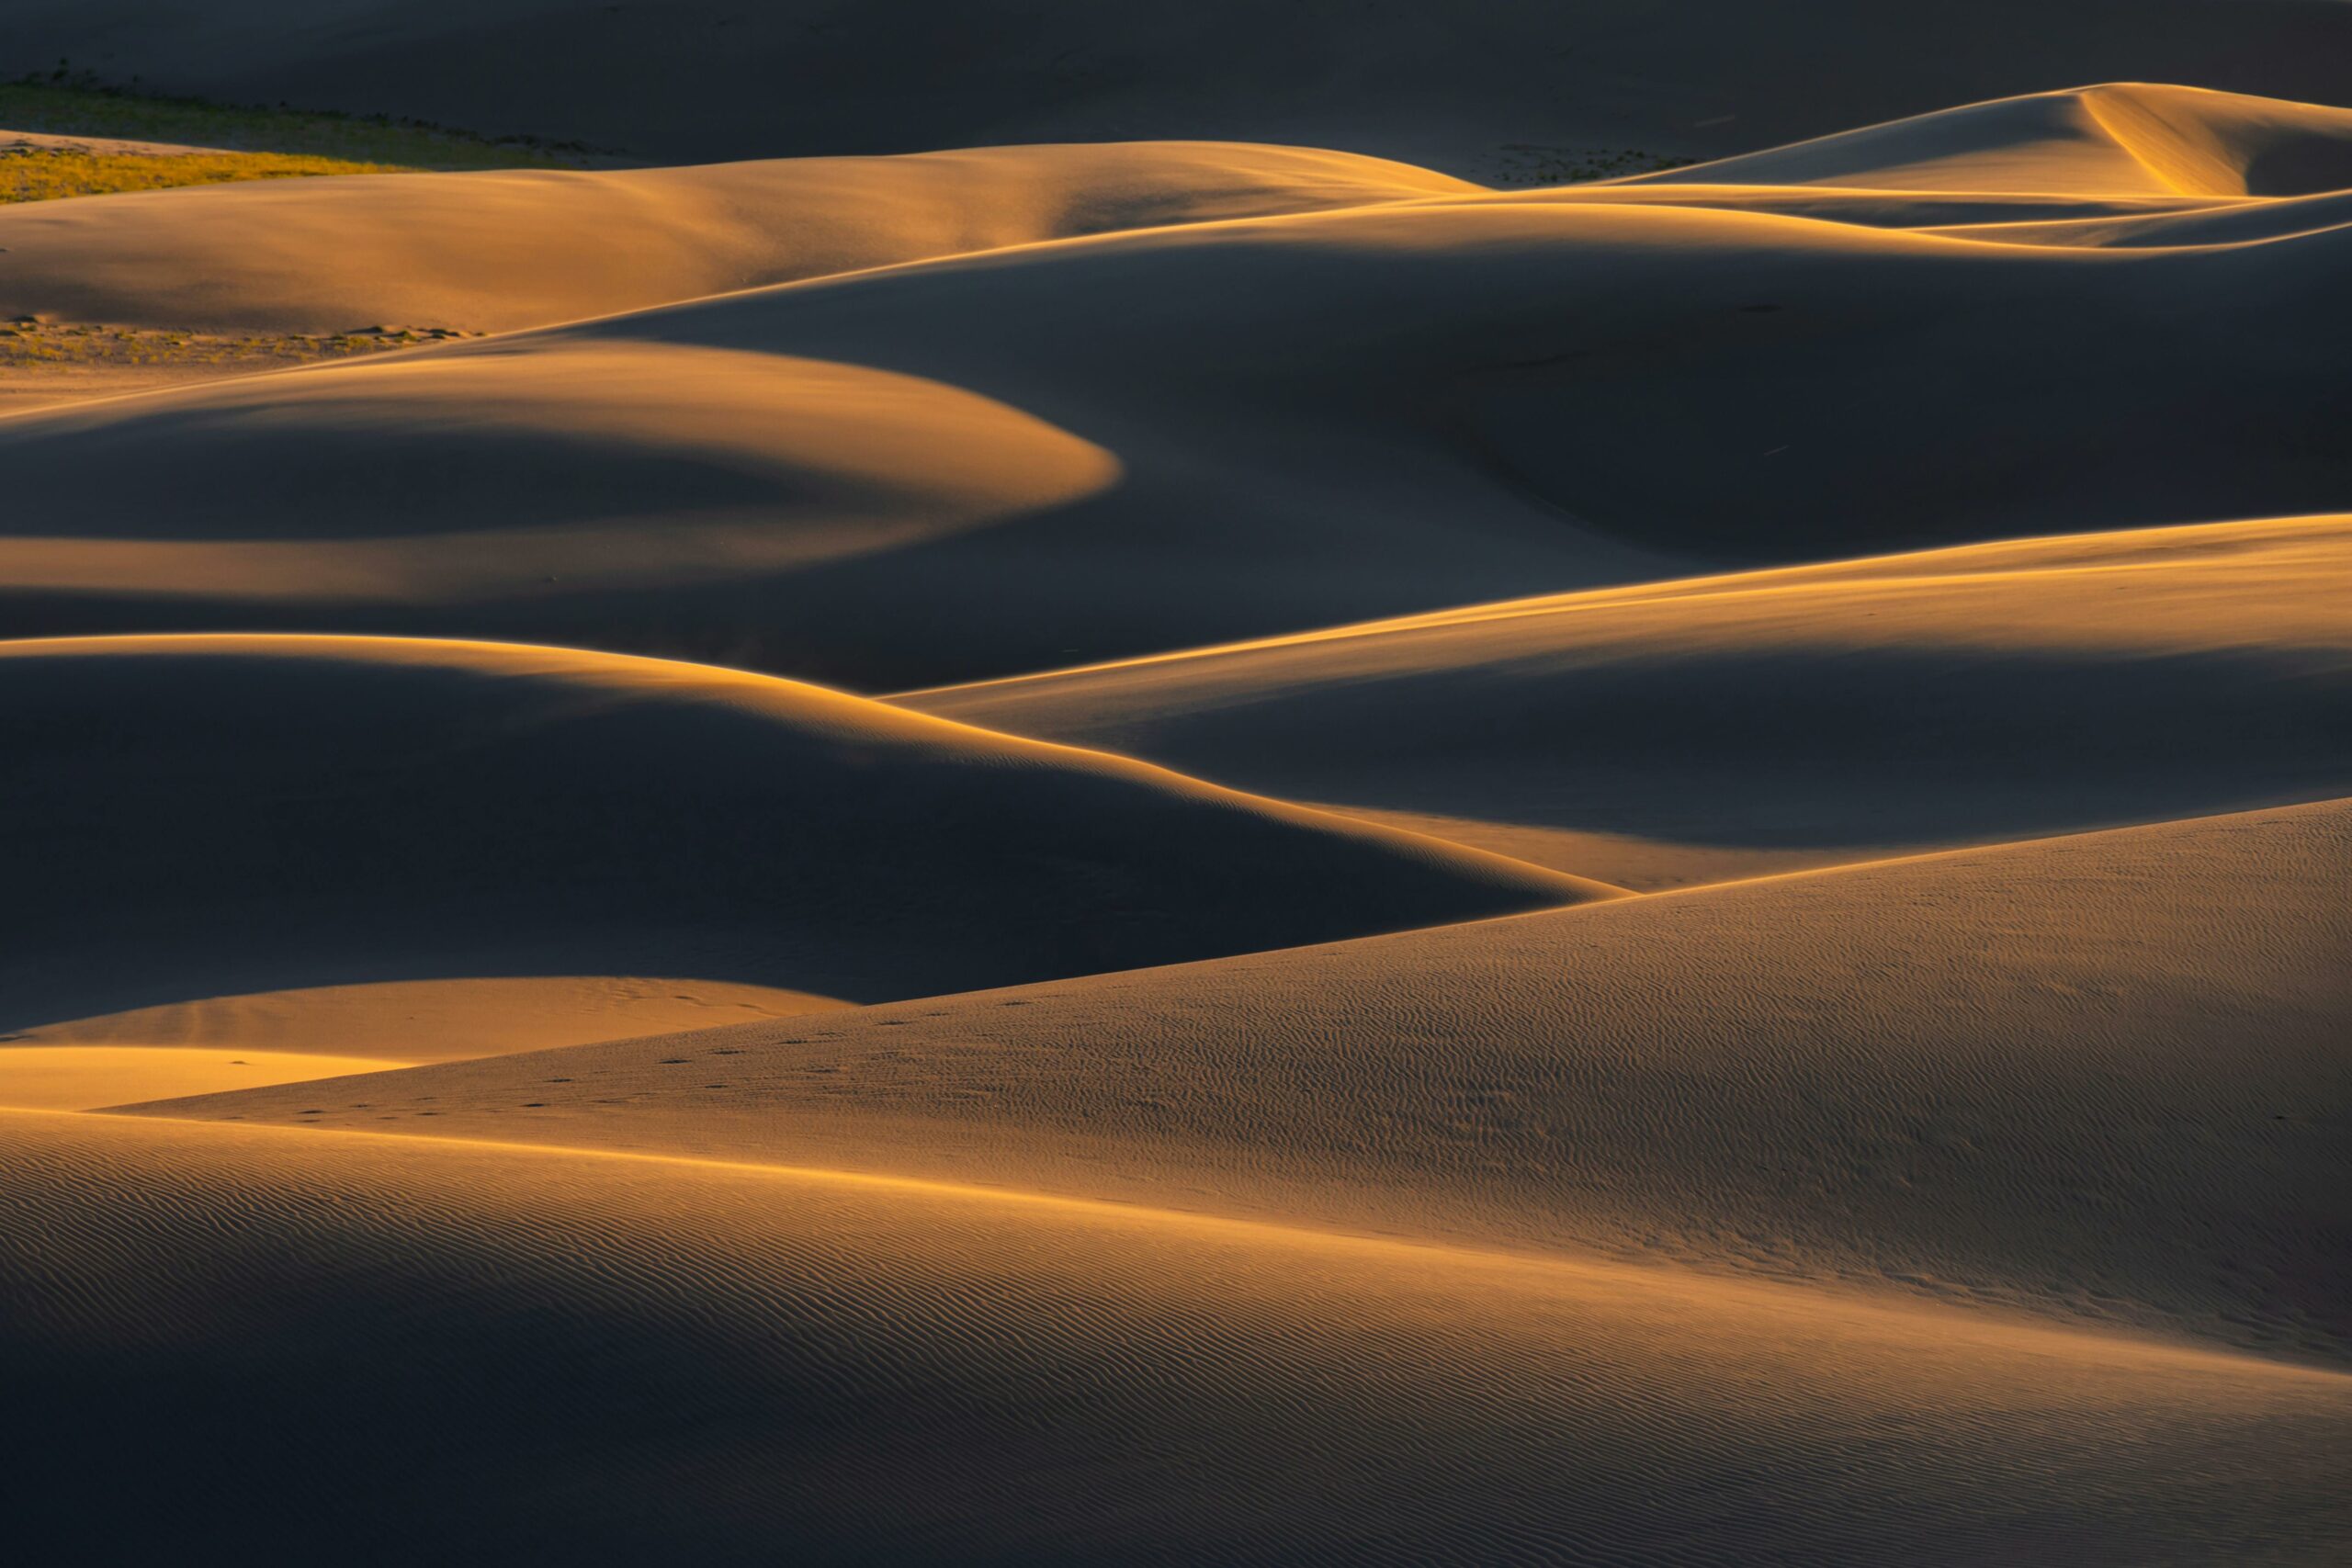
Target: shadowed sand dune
[
  {"x": 1211, "y": 431},
  {"x": 707, "y": 78},
  {"x": 598, "y": 1360},
  {"x": 1680, "y": 732},
  {"x": 193, "y": 818},
  {"x": 475, "y": 1093},
  {"x": 2095, "y": 1077}
]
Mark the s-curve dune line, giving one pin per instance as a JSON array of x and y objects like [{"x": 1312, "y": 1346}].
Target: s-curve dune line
[
  {"x": 314, "y": 817},
  {"x": 2096, "y": 1078},
  {"x": 441, "y": 1350}
]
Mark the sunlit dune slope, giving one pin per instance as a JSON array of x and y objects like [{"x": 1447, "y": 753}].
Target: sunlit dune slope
[
  {"x": 2097, "y": 1077},
  {"x": 607, "y": 1360},
  {"x": 2119, "y": 139},
  {"x": 1707, "y": 728},
  {"x": 191, "y": 819},
  {"x": 694, "y": 79},
  {"x": 493, "y": 251},
  {"x": 1052, "y": 453}
]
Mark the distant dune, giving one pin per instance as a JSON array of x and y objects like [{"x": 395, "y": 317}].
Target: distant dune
[
  {"x": 1118, "y": 444},
  {"x": 221, "y": 818},
  {"x": 1724, "y": 726},
  {"x": 696, "y": 79}
]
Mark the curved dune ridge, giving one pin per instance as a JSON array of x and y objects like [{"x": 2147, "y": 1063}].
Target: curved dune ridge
[
  {"x": 1215, "y": 430},
  {"x": 1724, "y": 726},
  {"x": 780, "y": 1352},
  {"x": 494, "y": 251},
  {"x": 2021, "y": 1077},
  {"x": 214, "y": 818},
  {"x": 1639, "y": 871}
]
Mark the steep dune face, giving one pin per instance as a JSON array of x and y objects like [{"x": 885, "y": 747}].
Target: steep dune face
[
  {"x": 2118, "y": 139},
  {"x": 1313, "y": 419},
  {"x": 1719, "y": 726},
  {"x": 541, "y": 1344},
  {"x": 705, "y": 79},
  {"x": 206, "y": 817},
  {"x": 496, "y": 251},
  {"x": 2028, "y": 1079}
]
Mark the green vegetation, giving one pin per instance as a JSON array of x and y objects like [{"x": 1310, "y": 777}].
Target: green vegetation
[
  {"x": 276, "y": 142},
  {"x": 1527, "y": 163},
  {"x": 47, "y": 173}
]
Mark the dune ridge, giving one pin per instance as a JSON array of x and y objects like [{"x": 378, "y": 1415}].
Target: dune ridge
[
  {"x": 778, "y": 1351},
  {"x": 1865, "y": 708},
  {"x": 217, "y": 816},
  {"x": 1970, "y": 1076}
]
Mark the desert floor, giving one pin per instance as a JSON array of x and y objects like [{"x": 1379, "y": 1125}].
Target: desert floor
[{"x": 1354, "y": 841}]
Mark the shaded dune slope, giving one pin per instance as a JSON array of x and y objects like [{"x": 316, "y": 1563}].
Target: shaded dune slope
[
  {"x": 545, "y": 1344},
  {"x": 2097, "y": 1077},
  {"x": 1723, "y": 723},
  {"x": 205, "y": 817}
]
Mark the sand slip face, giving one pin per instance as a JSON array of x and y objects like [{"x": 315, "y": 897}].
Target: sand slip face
[
  {"x": 2093, "y": 1078},
  {"x": 1738, "y": 725},
  {"x": 223, "y": 817},
  {"x": 542, "y": 1344}
]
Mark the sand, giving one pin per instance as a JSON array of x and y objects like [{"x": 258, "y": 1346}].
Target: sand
[
  {"x": 1185, "y": 435},
  {"x": 1086, "y": 849},
  {"x": 226, "y": 817},
  {"x": 1732, "y": 726}
]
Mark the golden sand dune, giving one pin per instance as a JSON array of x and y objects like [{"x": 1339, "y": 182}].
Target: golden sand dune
[
  {"x": 477, "y": 1093},
  {"x": 216, "y": 817},
  {"x": 2025, "y": 1078},
  {"x": 1676, "y": 731},
  {"x": 497, "y": 249},
  {"x": 454, "y": 1352},
  {"x": 1215, "y": 430},
  {"x": 2120, "y": 139}
]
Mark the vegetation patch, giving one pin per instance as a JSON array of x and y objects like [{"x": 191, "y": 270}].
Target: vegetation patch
[
  {"x": 1529, "y": 163},
  {"x": 206, "y": 143}
]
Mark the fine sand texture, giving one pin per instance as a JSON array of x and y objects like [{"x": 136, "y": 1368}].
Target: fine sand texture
[
  {"x": 2027, "y": 1076},
  {"x": 595, "y": 1359},
  {"x": 1305, "y": 784}
]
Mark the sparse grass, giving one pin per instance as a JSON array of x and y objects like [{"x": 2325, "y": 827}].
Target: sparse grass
[
  {"x": 65, "y": 103},
  {"x": 1528, "y": 163},
  {"x": 29, "y": 344},
  {"x": 49, "y": 173}
]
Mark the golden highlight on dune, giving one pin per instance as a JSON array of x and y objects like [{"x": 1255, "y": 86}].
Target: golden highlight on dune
[{"x": 1038, "y": 783}]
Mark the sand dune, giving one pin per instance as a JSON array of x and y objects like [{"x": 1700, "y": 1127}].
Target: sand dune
[
  {"x": 497, "y": 249},
  {"x": 2023, "y": 1078},
  {"x": 605, "y": 1360},
  {"x": 699, "y": 79},
  {"x": 1724, "y": 725},
  {"x": 218, "y": 817},
  {"x": 2120, "y": 139},
  {"x": 472, "y": 1092},
  {"x": 1173, "y": 437}
]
